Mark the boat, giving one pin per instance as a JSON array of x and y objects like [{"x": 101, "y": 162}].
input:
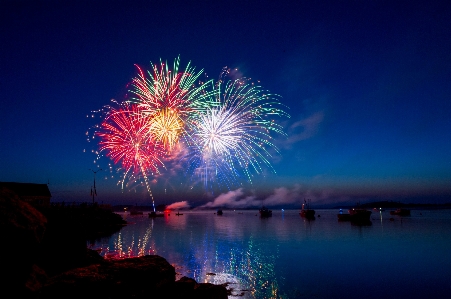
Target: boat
[
  {"x": 400, "y": 212},
  {"x": 359, "y": 214},
  {"x": 355, "y": 215},
  {"x": 306, "y": 212},
  {"x": 219, "y": 212},
  {"x": 265, "y": 212},
  {"x": 178, "y": 214},
  {"x": 153, "y": 215}
]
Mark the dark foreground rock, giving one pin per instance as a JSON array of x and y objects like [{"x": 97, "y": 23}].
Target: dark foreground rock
[
  {"x": 141, "y": 277},
  {"x": 22, "y": 230},
  {"x": 44, "y": 255},
  {"x": 67, "y": 232}
]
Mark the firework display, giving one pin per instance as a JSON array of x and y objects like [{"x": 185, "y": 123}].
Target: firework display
[
  {"x": 166, "y": 126},
  {"x": 233, "y": 138},
  {"x": 126, "y": 139},
  {"x": 226, "y": 127},
  {"x": 169, "y": 97}
]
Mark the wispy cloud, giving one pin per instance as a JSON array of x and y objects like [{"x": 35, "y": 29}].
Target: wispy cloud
[
  {"x": 178, "y": 205},
  {"x": 304, "y": 128},
  {"x": 232, "y": 199},
  {"x": 282, "y": 196},
  {"x": 237, "y": 199}
]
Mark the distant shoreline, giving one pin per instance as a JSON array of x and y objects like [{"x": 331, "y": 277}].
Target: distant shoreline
[
  {"x": 370, "y": 205},
  {"x": 396, "y": 205}
]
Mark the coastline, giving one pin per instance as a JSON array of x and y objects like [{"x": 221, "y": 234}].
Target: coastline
[{"x": 50, "y": 259}]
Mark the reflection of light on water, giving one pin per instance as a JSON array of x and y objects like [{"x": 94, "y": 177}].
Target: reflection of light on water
[
  {"x": 247, "y": 270},
  {"x": 145, "y": 240},
  {"x": 209, "y": 249},
  {"x": 260, "y": 270},
  {"x": 135, "y": 247},
  {"x": 292, "y": 258},
  {"x": 233, "y": 283}
]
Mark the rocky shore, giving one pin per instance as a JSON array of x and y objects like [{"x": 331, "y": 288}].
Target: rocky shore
[{"x": 45, "y": 256}]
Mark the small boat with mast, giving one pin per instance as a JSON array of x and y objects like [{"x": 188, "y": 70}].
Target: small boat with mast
[
  {"x": 355, "y": 215},
  {"x": 265, "y": 212},
  {"x": 306, "y": 212}
]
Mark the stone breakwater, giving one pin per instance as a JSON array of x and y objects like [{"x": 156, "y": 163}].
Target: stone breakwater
[{"x": 45, "y": 256}]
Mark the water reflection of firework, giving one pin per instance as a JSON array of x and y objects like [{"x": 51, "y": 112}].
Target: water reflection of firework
[
  {"x": 247, "y": 269},
  {"x": 204, "y": 246},
  {"x": 127, "y": 245}
]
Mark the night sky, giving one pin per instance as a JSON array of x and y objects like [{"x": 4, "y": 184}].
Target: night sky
[{"x": 367, "y": 84}]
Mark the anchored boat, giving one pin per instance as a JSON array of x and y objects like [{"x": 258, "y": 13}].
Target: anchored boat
[
  {"x": 355, "y": 215},
  {"x": 306, "y": 212},
  {"x": 265, "y": 212}
]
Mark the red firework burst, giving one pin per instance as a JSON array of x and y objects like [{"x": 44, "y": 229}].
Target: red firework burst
[{"x": 126, "y": 139}]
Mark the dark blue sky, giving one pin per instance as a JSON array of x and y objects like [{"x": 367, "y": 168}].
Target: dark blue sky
[{"x": 367, "y": 84}]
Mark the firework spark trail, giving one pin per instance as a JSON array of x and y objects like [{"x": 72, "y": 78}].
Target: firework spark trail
[
  {"x": 126, "y": 139},
  {"x": 234, "y": 137},
  {"x": 166, "y": 126},
  {"x": 227, "y": 126},
  {"x": 169, "y": 97}
]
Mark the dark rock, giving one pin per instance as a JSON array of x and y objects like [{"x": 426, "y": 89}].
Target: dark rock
[
  {"x": 92, "y": 222},
  {"x": 209, "y": 291},
  {"x": 22, "y": 229},
  {"x": 46, "y": 257},
  {"x": 141, "y": 277},
  {"x": 182, "y": 288},
  {"x": 187, "y": 287},
  {"x": 68, "y": 230},
  {"x": 36, "y": 280}
]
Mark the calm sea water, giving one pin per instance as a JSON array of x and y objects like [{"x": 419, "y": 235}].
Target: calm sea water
[{"x": 286, "y": 256}]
